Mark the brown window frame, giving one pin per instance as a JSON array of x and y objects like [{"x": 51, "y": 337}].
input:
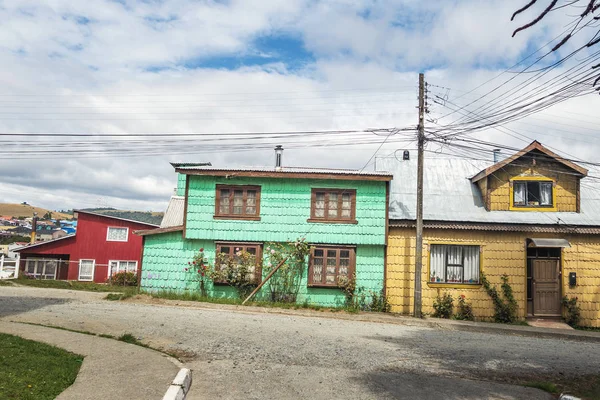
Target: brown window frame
[
  {"x": 242, "y": 246},
  {"x": 339, "y": 219},
  {"x": 323, "y": 283},
  {"x": 230, "y": 214}
]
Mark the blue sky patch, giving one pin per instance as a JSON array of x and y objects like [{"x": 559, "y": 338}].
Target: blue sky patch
[{"x": 263, "y": 50}]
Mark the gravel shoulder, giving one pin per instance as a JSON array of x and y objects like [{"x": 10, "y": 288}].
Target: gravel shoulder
[{"x": 265, "y": 355}]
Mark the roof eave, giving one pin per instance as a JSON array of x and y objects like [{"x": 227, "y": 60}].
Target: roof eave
[
  {"x": 285, "y": 174},
  {"x": 535, "y": 145},
  {"x": 157, "y": 231}
]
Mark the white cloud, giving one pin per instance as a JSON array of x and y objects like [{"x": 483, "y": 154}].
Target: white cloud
[{"x": 83, "y": 67}]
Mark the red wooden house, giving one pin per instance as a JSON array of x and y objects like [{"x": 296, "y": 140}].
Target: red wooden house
[{"x": 102, "y": 246}]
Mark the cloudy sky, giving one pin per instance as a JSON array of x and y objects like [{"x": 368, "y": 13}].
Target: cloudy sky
[{"x": 208, "y": 68}]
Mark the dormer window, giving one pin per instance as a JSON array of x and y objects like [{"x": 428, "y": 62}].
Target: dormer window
[{"x": 532, "y": 194}]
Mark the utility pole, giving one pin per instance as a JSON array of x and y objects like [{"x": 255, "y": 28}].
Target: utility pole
[
  {"x": 419, "y": 241},
  {"x": 34, "y": 227}
]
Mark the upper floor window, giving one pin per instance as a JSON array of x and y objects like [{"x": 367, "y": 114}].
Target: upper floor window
[
  {"x": 333, "y": 205},
  {"x": 328, "y": 264},
  {"x": 117, "y": 234},
  {"x": 237, "y": 202},
  {"x": 532, "y": 193},
  {"x": 453, "y": 264}
]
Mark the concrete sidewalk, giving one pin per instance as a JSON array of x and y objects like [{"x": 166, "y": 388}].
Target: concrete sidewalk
[{"x": 111, "y": 369}]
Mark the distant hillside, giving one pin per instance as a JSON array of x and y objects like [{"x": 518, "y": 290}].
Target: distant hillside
[
  {"x": 148, "y": 217},
  {"x": 26, "y": 210}
]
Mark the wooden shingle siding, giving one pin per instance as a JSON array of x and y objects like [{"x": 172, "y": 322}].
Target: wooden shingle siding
[
  {"x": 501, "y": 253},
  {"x": 180, "y": 184},
  {"x": 166, "y": 255},
  {"x": 284, "y": 211},
  {"x": 499, "y": 184}
]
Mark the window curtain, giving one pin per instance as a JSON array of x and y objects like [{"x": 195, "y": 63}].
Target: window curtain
[
  {"x": 519, "y": 193},
  {"x": 471, "y": 266},
  {"x": 437, "y": 263},
  {"x": 546, "y": 193}
]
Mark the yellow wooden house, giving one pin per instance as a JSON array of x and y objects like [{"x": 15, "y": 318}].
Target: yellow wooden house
[{"x": 534, "y": 216}]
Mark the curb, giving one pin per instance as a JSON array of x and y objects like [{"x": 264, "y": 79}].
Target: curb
[{"x": 180, "y": 386}]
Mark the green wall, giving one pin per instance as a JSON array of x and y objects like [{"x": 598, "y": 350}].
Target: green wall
[
  {"x": 181, "y": 184},
  {"x": 166, "y": 255},
  {"x": 284, "y": 210}
]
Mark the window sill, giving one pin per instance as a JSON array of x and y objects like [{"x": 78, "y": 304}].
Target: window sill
[
  {"x": 321, "y": 286},
  {"x": 455, "y": 285},
  {"x": 533, "y": 208},
  {"x": 236, "y": 217},
  {"x": 332, "y": 221}
]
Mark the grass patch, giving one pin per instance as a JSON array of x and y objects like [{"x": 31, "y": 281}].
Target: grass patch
[
  {"x": 129, "y": 338},
  {"x": 194, "y": 296},
  {"x": 72, "y": 285},
  {"x": 587, "y": 328},
  {"x": 33, "y": 370},
  {"x": 5, "y": 283},
  {"x": 545, "y": 386},
  {"x": 121, "y": 296}
]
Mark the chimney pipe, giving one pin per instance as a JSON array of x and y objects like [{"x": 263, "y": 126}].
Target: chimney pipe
[
  {"x": 278, "y": 156},
  {"x": 496, "y": 155}
]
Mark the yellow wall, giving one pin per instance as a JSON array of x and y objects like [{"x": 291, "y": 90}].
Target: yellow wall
[
  {"x": 502, "y": 253},
  {"x": 565, "y": 184}
]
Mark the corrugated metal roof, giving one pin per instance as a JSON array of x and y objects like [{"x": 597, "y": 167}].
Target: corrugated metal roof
[
  {"x": 284, "y": 170},
  {"x": 174, "y": 214},
  {"x": 449, "y": 195}
]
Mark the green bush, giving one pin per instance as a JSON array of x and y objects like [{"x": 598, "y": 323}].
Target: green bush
[
  {"x": 443, "y": 306},
  {"x": 464, "y": 310},
  {"x": 123, "y": 279},
  {"x": 573, "y": 315}
]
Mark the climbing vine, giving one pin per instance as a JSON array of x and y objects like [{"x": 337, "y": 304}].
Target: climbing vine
[
  {"x": 285, "y": 283},
  {"x": 505, "y": 310}
]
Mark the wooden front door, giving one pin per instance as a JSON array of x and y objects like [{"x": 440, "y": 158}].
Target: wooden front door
[{"x": 546, "y": 287}]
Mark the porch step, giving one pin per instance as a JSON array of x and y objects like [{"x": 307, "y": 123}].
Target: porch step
[{"x": 554, "y": 323}]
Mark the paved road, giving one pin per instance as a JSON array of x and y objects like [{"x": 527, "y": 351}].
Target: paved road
[{"x": 269, "y": 356}]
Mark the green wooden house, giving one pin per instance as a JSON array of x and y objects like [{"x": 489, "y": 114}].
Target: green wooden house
[{"x": 342, "y": 214}]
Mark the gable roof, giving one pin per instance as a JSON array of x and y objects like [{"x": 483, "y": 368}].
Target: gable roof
[
  {"x": 287, "y": 172},
  {"x": 117, "y": 218},
  {"x": 450, "y": 195},
  {"x": 535, "y": 145},
  {"x": 30, "y": 246}
]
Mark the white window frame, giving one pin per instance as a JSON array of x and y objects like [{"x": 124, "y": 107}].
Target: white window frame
[
  {"x": 117, "y": 227},
  {"x": 121, "y": 261},
  {"x": 93, "y": 270}
]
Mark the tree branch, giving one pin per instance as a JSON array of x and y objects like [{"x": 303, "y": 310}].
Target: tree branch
[
  {"x": 520, "y": 10},
  {"x": 538, "y": 19}
]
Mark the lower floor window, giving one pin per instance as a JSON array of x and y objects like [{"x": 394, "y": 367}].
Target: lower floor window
[
  {"x": 454, "y": 264},
  {"x": 328, "y": 264},
  {"x": 232, "y": 251},
  {"x": 121, "y": 266},
  {"x": 42, "y": 268},
  {"x": 86, "y": 270}
]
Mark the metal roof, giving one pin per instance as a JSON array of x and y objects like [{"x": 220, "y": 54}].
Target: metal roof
[
  {"x": 30, "y": 246},
  {"x": 538, "y": 242},
  {"x": 284, "y": 170},
  {"x": 174, "y": 214},
  {"x": 449, "y": 195}
]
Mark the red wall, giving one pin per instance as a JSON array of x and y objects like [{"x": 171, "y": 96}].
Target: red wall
[{"x": 90, "y": 243}]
